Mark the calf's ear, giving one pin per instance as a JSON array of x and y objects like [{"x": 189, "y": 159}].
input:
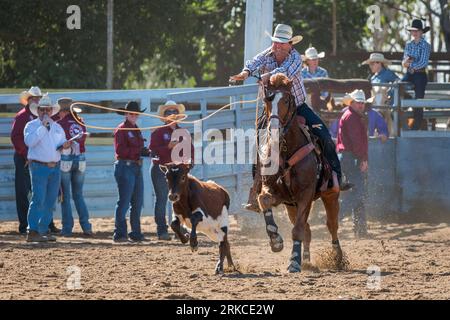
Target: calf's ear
[{"x": 163, "y": 168}]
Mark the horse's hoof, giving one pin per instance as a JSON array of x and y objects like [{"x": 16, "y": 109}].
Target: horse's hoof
[
  {"x": 294, "y": 266},
  {"x": 276, "y": 244}
]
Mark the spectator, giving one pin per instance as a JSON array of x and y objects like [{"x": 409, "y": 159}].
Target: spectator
[
  {"x": 73, "y": 166},
  {"x": 377, "y": 126},
  {"x": 415, "y": 60},
  {"x": 352, "y": 146},
  {"x": 44, "y": 137},
  {"x": 129, "y": 147},
  {"x": 312, "y": 69},
  {"x": 381, "y": 95},
  {"x": 22, "y": 179},
  {"x": 161, "y": 147}
]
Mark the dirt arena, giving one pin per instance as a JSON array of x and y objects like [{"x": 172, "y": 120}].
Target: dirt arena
[{"x": 414, "y": 261}]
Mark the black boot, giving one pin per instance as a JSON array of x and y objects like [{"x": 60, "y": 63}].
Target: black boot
[{"x": 332, "y": 158}]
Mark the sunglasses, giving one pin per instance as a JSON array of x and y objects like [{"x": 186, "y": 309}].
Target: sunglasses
[
  {"x": 45, "y": 109},
  {"x": 170, "y": 112}
]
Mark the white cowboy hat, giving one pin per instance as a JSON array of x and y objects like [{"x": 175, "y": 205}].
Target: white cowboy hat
[
  {"x": 45, "y": 102},
  {"x": 170, "y": 105},
  {"x": 283, "y": 34},
  {"x": 32, "y": 92},
  {"x": 357, "y": 95},
  {"x": 376, "y": 57},
  {"x": 312, "y": 54}
]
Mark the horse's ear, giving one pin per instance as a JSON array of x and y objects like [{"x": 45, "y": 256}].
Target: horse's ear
[
  {"x": 287, "y": 83},
  {"x": 163, "y": 168}
]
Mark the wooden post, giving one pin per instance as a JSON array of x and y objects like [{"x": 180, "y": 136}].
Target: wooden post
[
  {"x": 109, "y": 45},
  {"x": 334, "y": 29},
  {"x": 258, "y": 27}
]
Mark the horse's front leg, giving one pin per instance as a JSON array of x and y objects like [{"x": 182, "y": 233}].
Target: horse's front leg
[
  {"x": 299, "y": 233},
  {"x": 265, "y": 203}
]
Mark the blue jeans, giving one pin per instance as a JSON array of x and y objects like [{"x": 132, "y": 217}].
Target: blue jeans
[
  {"x": 45, "y": 184},
  {"x": 419, "y": 80},
  {"x": 161, "y": 192},
  {"x": 319, "y": 129},
  {"x": 72, "y": 180},
  {"x": 355, "y": 198},
  {"x": 131, "y": 192}
]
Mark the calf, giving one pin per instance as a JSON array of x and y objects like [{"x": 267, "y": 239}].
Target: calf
[{"x": 201, "y": 206}]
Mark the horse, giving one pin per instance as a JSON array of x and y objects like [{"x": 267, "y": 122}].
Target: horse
[{"x": 297, "y": 183}]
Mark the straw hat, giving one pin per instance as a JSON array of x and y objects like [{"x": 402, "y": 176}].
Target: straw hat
[
  {"x": 32, "y": 92},
  {"x": 44, "y": 102},
  {"x": 312, "y": 54},
  {"x": 376, "y": 57},
  {"x": 170, "y": 105},
  {"x": 283, "y": 34},
  {"x": 357, "y": 95}
]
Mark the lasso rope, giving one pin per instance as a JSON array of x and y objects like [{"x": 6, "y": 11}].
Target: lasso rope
[{"x": 169, "y": 118}]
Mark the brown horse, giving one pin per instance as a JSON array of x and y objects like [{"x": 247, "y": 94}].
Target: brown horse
[{"x": 297, "y": 182}]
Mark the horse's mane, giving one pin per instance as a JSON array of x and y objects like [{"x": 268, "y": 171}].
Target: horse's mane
[{"x": 280, "y": 80}]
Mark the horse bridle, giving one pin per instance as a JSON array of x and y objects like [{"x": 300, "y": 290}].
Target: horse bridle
[{"x": 269, "y": 95}]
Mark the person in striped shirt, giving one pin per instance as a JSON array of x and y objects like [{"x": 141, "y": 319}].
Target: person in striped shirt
[
  {"x": 281, "y": 57},
  {"x": 415, "y": 60}
]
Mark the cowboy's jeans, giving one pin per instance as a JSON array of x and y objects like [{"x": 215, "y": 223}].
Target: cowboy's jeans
[
  {"x": 320, "y": 130},
  {"x": 131, "y": 192},
  {"x": 420, "y": 80},
  {"x": 22, "y": 184},
  {"x": 45, "y": 184},
  {"x": 72, "y": 180},
  {"x": 355, "y": 198},
  {"x": 161, "y": 192}
]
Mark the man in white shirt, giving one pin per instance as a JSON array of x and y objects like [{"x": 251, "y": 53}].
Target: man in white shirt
[{"x": 44, "y": 139}]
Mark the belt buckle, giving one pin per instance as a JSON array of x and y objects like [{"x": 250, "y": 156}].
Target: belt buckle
[{"x": 51, "y": 164}]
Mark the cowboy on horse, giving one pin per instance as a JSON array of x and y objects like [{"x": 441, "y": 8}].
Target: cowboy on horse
[{"x": 281, "y": 57}]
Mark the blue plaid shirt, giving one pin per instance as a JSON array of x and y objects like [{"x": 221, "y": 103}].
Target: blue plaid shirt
[
  {"x": 265, "y": 62},
  {"x": 320, "y": 73},
  {"x": 419, "y": 51}
]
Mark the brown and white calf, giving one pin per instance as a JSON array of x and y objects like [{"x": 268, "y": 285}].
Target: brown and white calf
[{"x": 201, "y": 206}]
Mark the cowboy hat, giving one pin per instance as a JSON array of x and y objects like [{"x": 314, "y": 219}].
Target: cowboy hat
[
  {"x": 32, "y": 92},
  {"x": 417, "y": 25},
  {"x": 376, "y": 57},
  {"x": 170, "y": 105},
  {"x": 357, "y": 95},
  {"x": 283, "y": 34},
  {"x": 44, "y": 102},
  {"x": 131, "y": 106},
  {"x": 311, "y": 54},
  {"x": 65, "y": 104}
]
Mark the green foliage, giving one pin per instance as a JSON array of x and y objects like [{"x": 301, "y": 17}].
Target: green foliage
[{"x": 157, "y": 43}]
